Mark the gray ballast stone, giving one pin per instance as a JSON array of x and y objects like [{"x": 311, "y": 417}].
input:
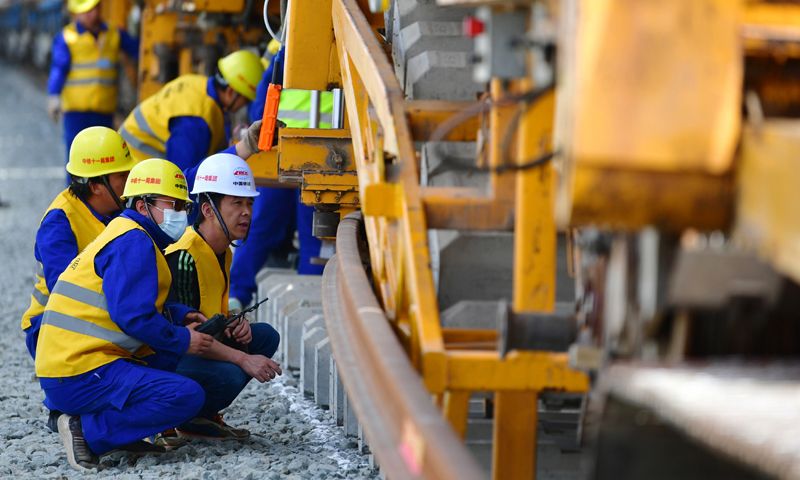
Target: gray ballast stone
[
  {"x": 336, "y": 394},
  {"x": 322, "y": 354},
  {"x": 309, "y": 340},
  {"x": 350, "y": 420},
  {"x": 292, "y": 328}
]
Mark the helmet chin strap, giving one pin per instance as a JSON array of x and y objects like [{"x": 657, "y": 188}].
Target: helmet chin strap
[
  {"x": 235, "y": 98},
  {"x": 225, "y": 227},
  {"x": 111, "y": 192}
]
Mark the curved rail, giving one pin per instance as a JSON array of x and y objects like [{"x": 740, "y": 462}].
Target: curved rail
[{"x": 406, "y": 432}]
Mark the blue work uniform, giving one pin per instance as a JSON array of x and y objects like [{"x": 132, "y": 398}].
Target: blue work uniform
[
  {"x": 60, "y": 65},
  {"x": 124, "y": 401},
  {"x": 55, "y": 248},
  {"x": 277, "y": 213}
]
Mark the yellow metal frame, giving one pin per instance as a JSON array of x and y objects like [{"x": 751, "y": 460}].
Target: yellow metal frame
[{"x": 384, "y": 177}]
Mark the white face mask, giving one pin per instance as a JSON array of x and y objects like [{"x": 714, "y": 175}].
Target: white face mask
[{"x": 174, "y": 223}]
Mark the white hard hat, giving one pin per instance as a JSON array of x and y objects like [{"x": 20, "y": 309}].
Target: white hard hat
[{"x": 226, "y": 174}]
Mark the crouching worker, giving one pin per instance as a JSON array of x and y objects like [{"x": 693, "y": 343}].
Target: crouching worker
[
  {"x": 99, "y": 162},
  {"x": 109, "y": 342},
  {"x": 200, "y": 264}
]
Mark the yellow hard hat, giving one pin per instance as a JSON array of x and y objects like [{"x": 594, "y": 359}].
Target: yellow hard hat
[
  {"x": 156, "y": 177},
  {"x": 98, "y": 151},
  {"x": 243, "y": 71},
  {"x": 81, "y": 6}
]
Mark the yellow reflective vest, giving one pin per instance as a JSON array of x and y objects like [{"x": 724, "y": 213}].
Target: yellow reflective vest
[
  {"x": 147, "y": 128},
  {"x": 214, "y": 284},
  {"x": 295, "y": 106},
  {"x": 85, "y": 227},
  {"x": 77, "y": 333},
  {"x": 91, "y": 85}
]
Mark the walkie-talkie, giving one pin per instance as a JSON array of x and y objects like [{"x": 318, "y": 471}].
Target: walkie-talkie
[{"x": 218, "y": 322}]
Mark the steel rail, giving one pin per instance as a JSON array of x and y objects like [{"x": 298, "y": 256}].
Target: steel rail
[{"x": 404, "y": 429}]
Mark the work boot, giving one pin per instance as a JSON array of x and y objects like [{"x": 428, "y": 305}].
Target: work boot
[
  {"x": 52, "y": 420},
  {"x": 80, "y": 456},
  {"x": 168, "y": 439},
  {"x": 206, "y": 428},
  {"x": 142, "y": 447}
]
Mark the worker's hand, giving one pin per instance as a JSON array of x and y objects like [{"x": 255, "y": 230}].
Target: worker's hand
[
  {"x": 194, "y": 317},
  {"x": 54, "y": 107},
  {"x": 250, "y": 137},
  {"x": 261, "y": 368},
  {"x": 241, "y": 332},
  {"x": 199, "y": 343}
]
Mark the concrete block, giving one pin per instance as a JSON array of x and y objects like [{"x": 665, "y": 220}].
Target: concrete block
[
  {"x": 293, "y": 316},
  {"x": 441, "y": 75},
  {"x": 363, "y": 444},
  {"x": 322, "y": 354},
  {"x": 424, "y": 35},
  {"x": 301, "y": 289},
  {"x": 350, "y": 420},
  {"x": 438, "y": 173},
  {"x": 336, "y": 394},
  {"x": 307, "y": 345},
  {"x": 315, "y": 321}
]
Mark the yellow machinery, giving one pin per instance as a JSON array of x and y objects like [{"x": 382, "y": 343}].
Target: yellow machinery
[
  {"x": 642, "y": 138},
  {"x": 649, "y": 137}
]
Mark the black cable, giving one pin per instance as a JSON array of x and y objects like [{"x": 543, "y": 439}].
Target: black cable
[{"x": 452, "y": 163}]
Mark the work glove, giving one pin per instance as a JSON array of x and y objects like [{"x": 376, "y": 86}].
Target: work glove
[
  {"x": 250, "y": 137},
  {"x": 54, "y": 107}
]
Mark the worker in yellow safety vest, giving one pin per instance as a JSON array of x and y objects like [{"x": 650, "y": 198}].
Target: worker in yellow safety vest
[
  {"x": 99, "y": 164},
  {"x": 200, "y": 265},
  {"x": 188, "y": 119},
  {"x": 83, "y": 70},
  {"x": 110, "y": 341}
]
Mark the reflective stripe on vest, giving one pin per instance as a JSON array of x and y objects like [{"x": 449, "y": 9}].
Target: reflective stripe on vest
[
  {"x": 303, "y": 115},
  {"x": 90, "y": 81},
  {"x": 83, "y": 295},
  {"x": 150, "y": 151},
  {"x": 77, "y": 333},
  {"x": 39, "y": 296},
  {"x": 77, "y": 325},
  {"x": 85, "y": 227},
  {"x": 133, "y": 142},
  {"x": 147, "y": 128}
]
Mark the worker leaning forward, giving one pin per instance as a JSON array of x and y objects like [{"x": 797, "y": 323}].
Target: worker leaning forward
[
  {"x": 278, "y": 211},
  {"x": 83, "y": 70},
  {"x": 188, "y": 119},
  {"x": 109, "y": 341},
  {"x": 200, "y": 265},
  {"x": 98, "y": 165}
]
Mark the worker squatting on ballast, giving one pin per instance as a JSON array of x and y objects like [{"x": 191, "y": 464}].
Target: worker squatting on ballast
[{"x": 122, "y": 362}]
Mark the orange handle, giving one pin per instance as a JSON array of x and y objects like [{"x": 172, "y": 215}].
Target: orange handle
[{"x": 267, "y": 134}]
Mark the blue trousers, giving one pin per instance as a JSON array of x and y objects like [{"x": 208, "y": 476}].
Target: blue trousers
[
  {"x": 74, "y": 122},
  {"x": 276, "y": 214},
  {"x": 222, "y": 382},
  {"x": 122, "y": 402}
]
